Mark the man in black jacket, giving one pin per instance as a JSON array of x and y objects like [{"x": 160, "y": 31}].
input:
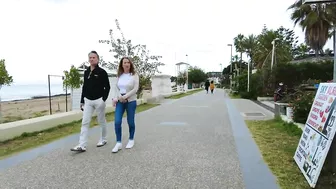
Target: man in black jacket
[
  {"x": 95, "y": 91},
  {"x": 206, "y": 86}
]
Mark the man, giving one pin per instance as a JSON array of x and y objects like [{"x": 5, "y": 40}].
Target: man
[
  {"x": 206, "y": 86},
  {"x": 95, "y": 91}
]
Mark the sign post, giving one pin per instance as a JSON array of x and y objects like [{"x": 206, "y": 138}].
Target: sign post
[{"x": 318, "y": 133}]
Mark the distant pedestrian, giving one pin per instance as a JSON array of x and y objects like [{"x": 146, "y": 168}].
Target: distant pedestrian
[
  {"x": 206, "y": 86},
  {"x": 95, "y": 91},
  {"x": 125, "y": 100},
  {"x": 212, "y": 87}
]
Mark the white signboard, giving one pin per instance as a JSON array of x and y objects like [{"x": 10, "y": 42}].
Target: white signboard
[
  {"x": 318, "y": 133},
  {"x": 318, "y": 1}
]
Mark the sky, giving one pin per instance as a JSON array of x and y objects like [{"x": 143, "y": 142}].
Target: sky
[{"x": 41, "y": 37}]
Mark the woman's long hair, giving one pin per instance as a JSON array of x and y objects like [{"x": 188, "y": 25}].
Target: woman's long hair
[{"x": 121, "y": 69}]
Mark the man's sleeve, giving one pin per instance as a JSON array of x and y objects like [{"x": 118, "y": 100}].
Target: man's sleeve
[{"x": 107, "y": 87}]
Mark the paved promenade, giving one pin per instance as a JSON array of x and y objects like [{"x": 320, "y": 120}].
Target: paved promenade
[{"x": 192, "y": 142}]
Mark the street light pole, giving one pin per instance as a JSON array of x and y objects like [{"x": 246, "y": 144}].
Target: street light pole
[{"x": 273, "y": 50}]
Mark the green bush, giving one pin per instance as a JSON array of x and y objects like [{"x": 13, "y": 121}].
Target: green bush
[
  {"x": 301, "y": 104},
  {"x": 255, "y": 85},
  {"x": 264, "y": 82},
  {"x": 294, "y": 74}
]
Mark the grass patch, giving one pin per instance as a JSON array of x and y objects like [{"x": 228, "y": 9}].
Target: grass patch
[
  {"x": 184, "y": 94},
  {"x": 30, "y": 140},
  {"x": 277, "y": 142}
]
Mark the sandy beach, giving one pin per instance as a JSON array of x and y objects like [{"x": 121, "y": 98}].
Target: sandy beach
[{"x": 25, "y": 109}]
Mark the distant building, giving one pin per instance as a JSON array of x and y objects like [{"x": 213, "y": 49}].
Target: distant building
[
  {"x": 214, "y": 76},
  {"x": 312, "y": 58}
]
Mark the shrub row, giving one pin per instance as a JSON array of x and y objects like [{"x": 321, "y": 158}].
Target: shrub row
[{"x": 264, "y": 82}]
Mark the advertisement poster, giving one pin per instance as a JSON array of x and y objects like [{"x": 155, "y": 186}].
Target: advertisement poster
[{"x": 318, "y": 133}]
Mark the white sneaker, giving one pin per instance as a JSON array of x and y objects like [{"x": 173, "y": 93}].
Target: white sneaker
[
  {"x": 101, "y": 143},
  {"x": 130, "y": 144},
  {"x": 117, "y": 147},
  {"x": 78, "y": 149}
]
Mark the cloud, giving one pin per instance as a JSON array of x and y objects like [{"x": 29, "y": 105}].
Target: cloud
[{"x": 41, "y": 37}]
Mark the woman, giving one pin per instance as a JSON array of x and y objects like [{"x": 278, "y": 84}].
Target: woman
[
  {"x": 125, "y": 100},
  {"x": 212, "y": 87}
]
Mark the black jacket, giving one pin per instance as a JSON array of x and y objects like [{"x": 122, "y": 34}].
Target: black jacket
[
  {"x": 207, "y": 84},
  {"x": 96, "y": 84}
]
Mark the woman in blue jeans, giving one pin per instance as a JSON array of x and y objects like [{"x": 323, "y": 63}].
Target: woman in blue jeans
[{"x": 125, "y": 100}]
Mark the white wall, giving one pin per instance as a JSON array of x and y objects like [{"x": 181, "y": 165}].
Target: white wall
[
  {"x": 161, "y": 84},
  {"x": 16, "y": 128}
]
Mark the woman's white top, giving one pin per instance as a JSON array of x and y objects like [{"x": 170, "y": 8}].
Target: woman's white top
[
  {"x": 123, "y": 82},
  {"x": 129, "y": 84}
]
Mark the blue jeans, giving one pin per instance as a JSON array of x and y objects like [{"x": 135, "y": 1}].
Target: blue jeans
[{"x": 130, "y": 108}]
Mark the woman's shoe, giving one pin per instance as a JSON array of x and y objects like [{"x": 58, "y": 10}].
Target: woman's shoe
[
  {"x": 117, "y": 147},
  {"x": 130, "y": 144}
]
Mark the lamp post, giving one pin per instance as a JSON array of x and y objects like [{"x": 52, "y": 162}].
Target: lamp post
[
  {"x": 273, "y": 50},
  {"x": 230, "y": 45}
]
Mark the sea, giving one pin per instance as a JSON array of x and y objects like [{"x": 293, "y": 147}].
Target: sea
[{"x": 29, "y": 91}]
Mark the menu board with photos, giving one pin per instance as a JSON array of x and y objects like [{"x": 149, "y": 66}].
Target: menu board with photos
[{"x": 318, "y": 133}]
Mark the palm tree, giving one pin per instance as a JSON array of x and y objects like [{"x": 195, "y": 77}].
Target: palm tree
[
  {"x": 316, "y": 20},
  {"x": 238, "y": 43},
  {"x": 302, "y": 50},
  {"x": 250, "y": 44}
]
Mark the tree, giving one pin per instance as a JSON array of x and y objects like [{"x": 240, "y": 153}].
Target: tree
[
  {"x": 285, "y": 46},
  {"x": 316, "y": 20},
  {"x": 146, "y": 64},
  {"x": 72, "y": 78},
  {"x": 302, "y": 51},
  {"x": 250, "y": 44},
  {"x": 239, "y": 45},
  {"x": 196, "y": 75},
  {"x": 5, "y": 78},
  {"x": 181, "y": 78}
]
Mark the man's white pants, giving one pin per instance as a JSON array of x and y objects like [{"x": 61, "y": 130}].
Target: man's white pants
[{"x": 89, "y": 107}]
